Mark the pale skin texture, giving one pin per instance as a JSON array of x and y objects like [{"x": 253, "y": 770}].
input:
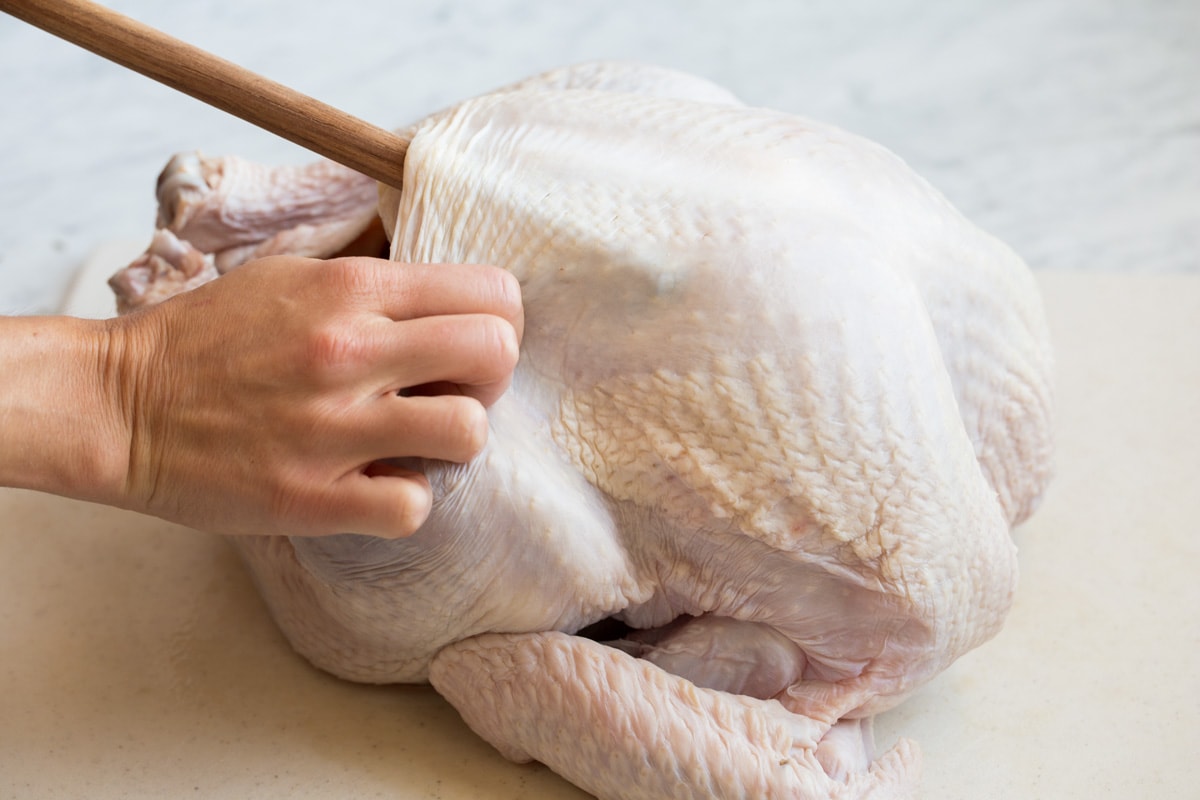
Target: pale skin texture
[
  {"x": 267, "y": 402},
  {"x": 777, "y": 408}
]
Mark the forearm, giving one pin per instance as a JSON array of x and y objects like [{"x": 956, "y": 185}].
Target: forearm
[{"x": 60, "y": 429}]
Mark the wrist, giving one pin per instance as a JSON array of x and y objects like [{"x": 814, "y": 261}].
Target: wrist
[{"x": 62, "y": 426}]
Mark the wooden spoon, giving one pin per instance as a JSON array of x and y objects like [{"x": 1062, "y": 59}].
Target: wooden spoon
[{"x": 269, "y": 105}]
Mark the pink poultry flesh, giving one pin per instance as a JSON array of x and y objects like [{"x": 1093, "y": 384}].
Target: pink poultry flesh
[{"x": 777, "y": 408}]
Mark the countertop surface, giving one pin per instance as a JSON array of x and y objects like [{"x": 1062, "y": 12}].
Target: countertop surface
[
  {"x": 1069, "y": 128},
  {"x": 135, "y": 657}
]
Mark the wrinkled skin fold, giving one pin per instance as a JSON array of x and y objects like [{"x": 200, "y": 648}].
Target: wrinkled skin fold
[{"x": 777, "y": 409}]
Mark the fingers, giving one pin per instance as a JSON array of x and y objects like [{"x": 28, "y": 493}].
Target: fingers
[
  {"x": 444, "y": 428},
  {"x": 446, "y": 328},
  {"x": 411, "y": 291},
  {"x": 383, "y": 499},
  {"x": 386, "y": 500},
  {"x": 375, "y": 495},
  {"x": 476, "y": 353}
]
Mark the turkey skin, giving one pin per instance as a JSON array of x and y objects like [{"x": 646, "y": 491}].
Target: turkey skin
[{"x": 777, "y": 409}]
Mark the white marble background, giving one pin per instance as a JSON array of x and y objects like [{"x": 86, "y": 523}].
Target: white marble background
[{"x": 1070, "y": 128}]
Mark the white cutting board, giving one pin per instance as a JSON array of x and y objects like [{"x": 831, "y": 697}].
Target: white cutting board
[{"x": 137, "y": 660}]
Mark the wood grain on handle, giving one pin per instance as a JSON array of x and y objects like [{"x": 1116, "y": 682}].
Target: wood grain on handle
[{"x": 296, "y": 117}]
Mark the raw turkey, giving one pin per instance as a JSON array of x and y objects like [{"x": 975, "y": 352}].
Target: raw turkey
[{"x": 777, "y": 409}]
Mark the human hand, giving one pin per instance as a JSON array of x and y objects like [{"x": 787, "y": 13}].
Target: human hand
[{"x": 265, "y": 402}]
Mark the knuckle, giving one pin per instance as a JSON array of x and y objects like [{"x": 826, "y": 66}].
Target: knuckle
[
  {"x": 330, "y": 349},
  {"x": 356, "y": 278}
]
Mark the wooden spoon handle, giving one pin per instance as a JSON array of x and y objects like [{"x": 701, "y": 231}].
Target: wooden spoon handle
[{"x": 296, "y": 117}]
